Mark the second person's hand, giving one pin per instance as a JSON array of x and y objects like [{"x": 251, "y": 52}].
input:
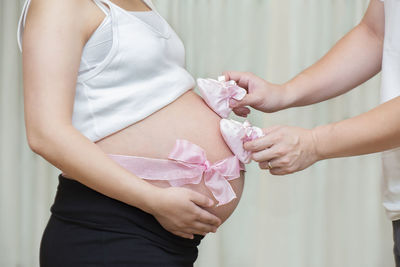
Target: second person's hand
[
  {"x": 261, "y": 95},
  {"x": 284, "y": 149}
]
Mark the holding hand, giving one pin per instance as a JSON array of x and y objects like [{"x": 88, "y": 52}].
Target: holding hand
[
  {"x": 284, "y": 150},
  {"x": 261, "y": 95},
  {"x": 180, "y": 211}
]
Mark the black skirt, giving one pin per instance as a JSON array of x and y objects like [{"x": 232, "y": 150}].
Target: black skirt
[{"x": 87, "y": 228}]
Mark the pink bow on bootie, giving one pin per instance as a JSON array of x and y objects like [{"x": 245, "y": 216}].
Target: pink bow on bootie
[
  {"x": 236, "y": 134},
  {"x": 218, "y": 93}
]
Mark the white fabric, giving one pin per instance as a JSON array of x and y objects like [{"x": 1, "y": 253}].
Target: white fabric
[
  {"x": 389, "y": 90},
  {"x": 100, "y": 43},
  {"x": 143, "y": 71},
  {"x": 97, "y": 47},
  {"x": 329, "y": 215},
  {"x": 149, "y": 17}
]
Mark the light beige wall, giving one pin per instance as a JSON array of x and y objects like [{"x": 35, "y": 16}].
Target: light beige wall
[{"x": 327, "y": 216}]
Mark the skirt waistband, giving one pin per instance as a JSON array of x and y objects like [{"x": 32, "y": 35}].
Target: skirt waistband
[{"x": 77, "y": 203}]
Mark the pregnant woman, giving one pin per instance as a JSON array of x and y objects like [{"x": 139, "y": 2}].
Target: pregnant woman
[{"x": 108, "y": 101}]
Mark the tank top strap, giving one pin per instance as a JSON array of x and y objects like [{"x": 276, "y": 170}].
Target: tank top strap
[
  {"x": 102, "y": 6},
  {"x": 150, "y": 4},
  {"x": 22, "y": 19},
  {"x": 21, "y": 23}
]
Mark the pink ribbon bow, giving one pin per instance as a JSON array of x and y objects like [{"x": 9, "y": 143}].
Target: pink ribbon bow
[
  {"x": 186, "y": 165},
  {"x": 236, "y": 134},
  {"x": 218, "y": 93}
]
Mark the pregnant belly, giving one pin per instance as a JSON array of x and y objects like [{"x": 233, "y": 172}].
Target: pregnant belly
[{"x": 188, "y": 118}]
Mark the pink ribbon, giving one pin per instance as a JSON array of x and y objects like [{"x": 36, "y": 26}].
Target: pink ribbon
[
  {"x": 187, "y": 164},
  {"x": 236, "y": 134},
  {"x": 218, "y": 93}
]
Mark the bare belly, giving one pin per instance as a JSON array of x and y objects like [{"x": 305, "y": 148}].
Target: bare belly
[{"x": 188, "y": 118}]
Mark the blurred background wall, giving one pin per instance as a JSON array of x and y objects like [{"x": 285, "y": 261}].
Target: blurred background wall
[{"x": 329, "y": 215}]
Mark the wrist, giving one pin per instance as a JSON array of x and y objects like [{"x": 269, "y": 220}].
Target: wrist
[
  {"x": 299, "y": 89},
  {"x": 289, "y": 96},
  {"x": 317, "y": 134},
  {"x": 152, "y": 199}
]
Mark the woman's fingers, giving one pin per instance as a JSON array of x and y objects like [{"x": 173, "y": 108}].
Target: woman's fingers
[
  {"x": 196, "y": 231},
  {"x": 207, "y": 218},
  {"x": 180, "y": 212},
  {"x": 204, "y": 227},
  {"x": 198, "y": 228},
  {"x": 201, "y": 200},
  {"x": 183, "y": 234},
  {"x": 190, "y": 232},
  {"x": 203, "y": 215}
]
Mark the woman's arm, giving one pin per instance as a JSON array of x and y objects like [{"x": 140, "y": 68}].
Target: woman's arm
[
  {"x": 353, "y": 60},
  {"x": 55, "y": 33}
]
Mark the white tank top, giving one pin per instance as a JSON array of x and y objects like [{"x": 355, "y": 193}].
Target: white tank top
[
  {"x": 390, "y": 89},
  {"x": 140, "y": 71}
]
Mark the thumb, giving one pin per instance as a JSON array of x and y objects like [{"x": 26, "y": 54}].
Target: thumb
[
  {"x": 201, "y": 200},
  {"x": 248, "y": 100}
]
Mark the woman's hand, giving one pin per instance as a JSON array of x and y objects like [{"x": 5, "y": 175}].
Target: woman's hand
[
  {"x": 180, "y": 211},
  {"x": 261, "y": 95},
  {"x": 284, "y": 149}
]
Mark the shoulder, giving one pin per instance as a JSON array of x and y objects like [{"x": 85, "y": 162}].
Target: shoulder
[
  {"x": 79, "y": 6},
  {"x": 79, "y": 16},
  {"x": 48, "y": 7}
]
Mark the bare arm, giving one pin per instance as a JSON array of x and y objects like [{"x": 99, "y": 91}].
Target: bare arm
[
  {"x": 51, "y": 54},
  {"x": 290, "y": 149},
  {"x": 55, "y": 34},
  {"x": 353, "y": 60},
  {"x": 374, "y": 131}
]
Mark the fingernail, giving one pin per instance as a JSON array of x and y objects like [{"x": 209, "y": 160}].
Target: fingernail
[
  {"x": 232, "y": 102},
  {"x": 246, "y": 145}
]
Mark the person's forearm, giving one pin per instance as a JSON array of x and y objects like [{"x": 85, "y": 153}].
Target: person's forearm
[
  {"x": 78, "y": 157},
  {"x": 354, "y": 59},
  {"x": 373, "y": 131}
]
